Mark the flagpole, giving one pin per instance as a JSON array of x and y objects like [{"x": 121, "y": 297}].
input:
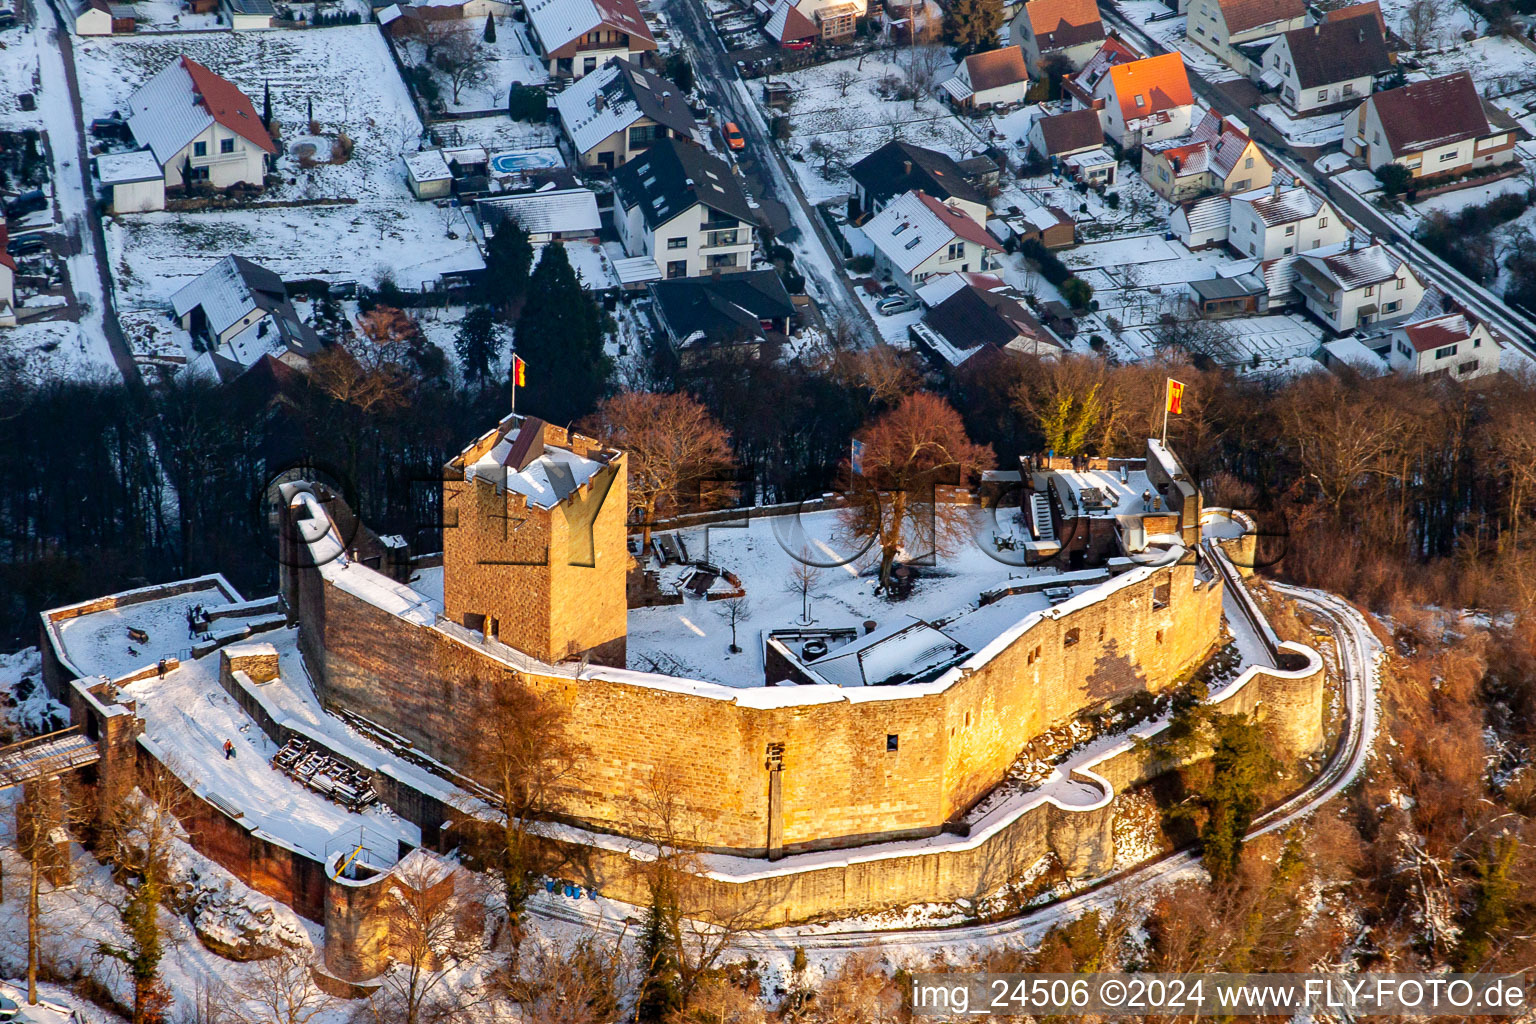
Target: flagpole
[{"x": 1167, "y": 383}]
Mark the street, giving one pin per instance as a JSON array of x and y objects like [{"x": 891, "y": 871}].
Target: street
[
  {"x": 790, "y": 216},
  {"x": 1519, "y": 329}
]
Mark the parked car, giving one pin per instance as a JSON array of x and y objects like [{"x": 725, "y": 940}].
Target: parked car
[
  {"x": 892, "y": 289},
  {"x": 7, "y": 17},
  {"x": 798, "y": 44},
  {"x": 898, "y": 304},
  {"x": 110, "y": 128},
  {"x": 26, "y": 245},
  {"x": 733, "y": 137},
  {"x": 27, "y": 202}
]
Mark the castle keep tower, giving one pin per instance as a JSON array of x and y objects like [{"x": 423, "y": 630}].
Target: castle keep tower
[{"x": 534, "y": 541}]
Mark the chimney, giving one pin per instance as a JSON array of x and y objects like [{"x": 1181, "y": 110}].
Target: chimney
[
  {"x": 1317, "y": 29},
  {"x": 906, "y": 167},
  {"x": 599, "y": 102},
  {"x": 1277, "y": 186}
]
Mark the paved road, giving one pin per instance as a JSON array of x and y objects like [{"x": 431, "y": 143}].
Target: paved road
[
  {"x": 1359, "y": 657},
  {"x": 1234, "y": 99},
  {"x": 792, "y": 218},
  {"x": 108, "y": 311}
]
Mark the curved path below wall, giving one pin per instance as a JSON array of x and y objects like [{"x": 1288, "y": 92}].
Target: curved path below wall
[{"x": 1359, "y": 654}]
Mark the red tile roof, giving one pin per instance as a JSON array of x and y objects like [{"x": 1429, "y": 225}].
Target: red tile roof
[
  {"x": 1242, "y": 15},
  {"x": 228, "y": 105},
  {"x": 996, "y": 68},
  {"x": 959, "y": 223},
  {"x": 1160, "y": 82},
  {"x": 1438, "y": 112},
  {"x": 1427, "y": 335},
  {"x": 1061, "y": 23},
  {"x": 1371, "y": 8}
]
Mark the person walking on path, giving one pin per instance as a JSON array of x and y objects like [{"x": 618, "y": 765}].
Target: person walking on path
[{"x": 229, "y": 750}]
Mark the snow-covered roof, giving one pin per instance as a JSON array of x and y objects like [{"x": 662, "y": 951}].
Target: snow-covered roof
[
  {"x": 1212, "y": 146},
  {"x": 1093, "y": 158},
  {"x": 906, "y": 649},
  {"x": 389, "y": 14},
  {"x": 1350, "y": 349},
  {"x": 234, "y": 287},
  {"x": 941, "y": 286},
  {"x": 614, "y": 97},
  {"x": 466, "y": 155},
  {"x": 181, "y": 101},
  {"x": 546, "y": 481},
  {"x": 914, "y": 226},
  {"x": 786, "y": 24},
  {"x": 554, "y": 211},
  {"x": 427, "y": 165},
  {"x": 1427, "y": 335},
  {"x": 636, "y": 270},
  {"x": 560, "y": 23},
  {"x": 1201, "y": 216},
  {"x": 1279, "y": 205},
  {"x": 1350, "y": 266},
  {"x": 126, "y": 168}
]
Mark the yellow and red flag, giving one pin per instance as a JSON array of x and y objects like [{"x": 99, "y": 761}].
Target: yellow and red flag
[
  {"x": 520, "y": 373},
  {"x": 1175, "y": 397}
]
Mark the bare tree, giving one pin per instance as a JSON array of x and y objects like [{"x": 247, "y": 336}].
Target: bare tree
[
  {"x": 435, "y": 918},
  {"x": 281, "y": 990},
  {"x": 1421, "y": 23},
  {"x": 576, "y": 984},
  {"x": 734, "y": 610},
  {"x": 461, "y": 57},
  {"x": 804, "y": 580},
  {"x": 523, "y": 749},
  {"x": 679, "y": 455},
  {"x": 909, "y": 453},
  {"x": 843, "y": 78}
]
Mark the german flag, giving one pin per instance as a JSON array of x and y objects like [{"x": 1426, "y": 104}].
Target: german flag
[
  {"x": 520, "y": 373},
  {"x": 1175, "y": 397}
]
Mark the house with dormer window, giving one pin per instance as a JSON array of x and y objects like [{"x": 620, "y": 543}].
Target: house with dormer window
[{"x": 684, "y": 208}]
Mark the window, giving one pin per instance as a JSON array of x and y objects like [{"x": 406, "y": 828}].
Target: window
[
  {"x": 677, "y": 268},
  {"x": 1370, "y": 290},
  {"x": 1446, "y": 157},
  {"x": 1477, "y": 342},
  {"x": 1101, "y": 634},
  {"x": 226, "y": 145},
  {"x": 1322, "y": 222},
  {"x": 1253, "y": 228},
  {"x": 1251, "y": 250},
  {"x": 1290, "y": 229},
  {"x": 1248, "y": 162},
  {"x": 589, "y": 65},
  {"x": 199, "y": 149},
  {"x": 1161, "y": 594},
  {"x": 1240, "y": 186},
  {"x": 1288, "y": 250},
  {"x": 956, "y": 250},
  {"x": 1162, "y": 172},
  {"x": 677, "y": 243},
  {"x": 1466, "y": 367},
  {"x": 1391, "y": 307},
  {"x": 1071, "y": 637},
  {"x": 1446, "y": 352},
  {"x": 1349, "y": 89},
  {"x": 1141, "y": 100},
  {"x": 1322, "y": 94},
  {"x": 1399, "y": 284},
  {"x": 890, "y": 742}
]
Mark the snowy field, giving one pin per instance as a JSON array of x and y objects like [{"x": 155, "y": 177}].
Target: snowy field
[
  {"x": 860, "y": 122},
  {"x": 692, "y": 639}
]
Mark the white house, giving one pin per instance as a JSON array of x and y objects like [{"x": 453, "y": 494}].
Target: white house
[
  {"x": 238, "y": 312},
  {"x": 613, "y": 115},
  {"x": 916, "y": 236},
  {"x": 997, "y": 78},
  {"x": 1270, "y": 223},
  {"x": 1217, "y": 155},
  {"x": 1433, "y": 128},
  {"x": 427, "y": 174},
  {"x": 897, "y": 168},
  {"x": 1326, "y": 64},
  {"x": 548, "y": 215},
  {"x": 577, "y": 37},
  {"x": 133, "y": 181},
  {"x": 249, "y": 14},
  {"x": 1350, "y": 285},
  {"x": 100, "y": 18},
  {"x": 1069, "y": 31},
  {"x": 1239, "y": 31},
  {"x": 1138, "y": 100},
  {"x": 1452, "y": 344},
  {"x": 1201, "y": 223},
  {"x": 193, "y": 120},
  {"x": 684, "y": 208}
]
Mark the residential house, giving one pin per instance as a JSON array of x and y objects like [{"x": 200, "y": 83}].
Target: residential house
[
  {"x": 1218, "y": 156},
  {"x": 548, "y": 215},
  {"x": 1202, "y": 223},
  {"x": 1138, "y": 100},
  {"x": 749, "y": 308},
  {"x": 1326, "y": 64},
  {"x": 788, "y": 27},
  {"x": 8, "y": 272},
  {"x": 1075, "y": 142},
  {"x": 427, "y": 174},
  {"x": 1453, "y": 345},
  {"x": 833, "y": 19},
  {"x": 916, "y": 236},
  {"x": 683, "y": 207},
  {"x": 965, "y": 320},
  {"x": 577, "y": 37},
  {"x": 1351, "y": 285},
  {"x": 1272, "y": 223},
  {"x": 614, "y": 115},
  {"x": 100, "y": 18},
  {"x": 1065, "y": 32},
  {"x": 1239, "y": 31},
  {"x": 445, "y": 10},
  {"x": 196, "y": 123},
  {"x": 237, "y": 312},
  {"x": 1433, "y": 128},
  {"x": 133, "y": 182},
  {"x": 997, "y": 78},
  {"x": 897, "y": 168},
  {"x": 249, "y": 14}
]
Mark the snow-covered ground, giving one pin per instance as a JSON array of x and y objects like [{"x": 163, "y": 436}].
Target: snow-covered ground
[
  {"x": 1153, "y": 18},
  {"x": 692, "y": 639},
  {"x": 509, "y": 59},
  {"x": 1321, "y": 130}
]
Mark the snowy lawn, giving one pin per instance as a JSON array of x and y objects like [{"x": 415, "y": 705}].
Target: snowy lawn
[
  {"x": 859, "y": 122},
  {"x": 1322, "y": 130},
  {"x": 496, "y": 134},
  {"x": 347, "y": 72},
  {"x": 509, "y": 59},
  {"x": 692, "y": 639}
]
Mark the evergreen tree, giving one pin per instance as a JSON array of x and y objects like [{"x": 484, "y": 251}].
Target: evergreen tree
[
  {"x": 560, "y": 335},
  {"x": 660, "y": 995},
  {"x": 478, "y": 342},
  {"x": 266, "y": 106},
  {"x": 970, "y": 26},
  {"x": 508, "y": 258},
  {"x": 490, "y": 29},
  {"x": 1240, "y": 764}
]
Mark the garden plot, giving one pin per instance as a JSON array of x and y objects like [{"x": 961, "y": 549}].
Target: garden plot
[
  {"x": 831, "y": 129},
  {"x": 497, "y": 134},
  {"x": 1450, "y": 18},
  {"x": 345, "y": 72},
  {"x": 509, "y": 59},
  {"x": 1504, "y": 70}
]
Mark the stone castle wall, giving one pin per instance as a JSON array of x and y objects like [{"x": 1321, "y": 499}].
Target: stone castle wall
[{"x": 841, "y": 785}]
